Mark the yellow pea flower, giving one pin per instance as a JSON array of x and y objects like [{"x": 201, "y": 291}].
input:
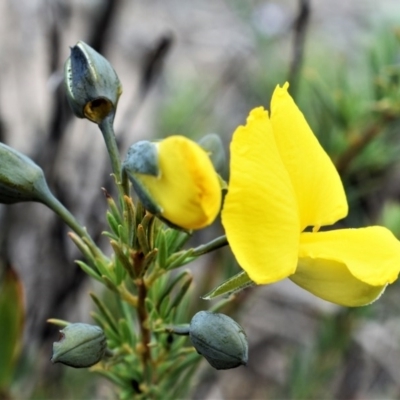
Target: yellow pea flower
[
  {"x": 281, "y": 182},
  {"x": 175, "y": 179}
]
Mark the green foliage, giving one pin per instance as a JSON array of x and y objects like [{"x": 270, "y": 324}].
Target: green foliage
[{"x": 11, "y": 326}]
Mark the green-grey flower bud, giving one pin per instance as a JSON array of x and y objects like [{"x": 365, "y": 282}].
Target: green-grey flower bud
[
  {"x": 219, "y": 339},
  {"x": 213, "y": 145},
  {"x": 142, "y": 159},
  {"x": 80, "y": 346},
  {"x": 20, "y": 178},
  {"x": 92, "y": 85}
]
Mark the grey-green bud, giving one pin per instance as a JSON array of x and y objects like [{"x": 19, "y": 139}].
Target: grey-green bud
[
  {"x": 80, "y": 346},
  {"x": 142, "y": 159},
  {"x": 213, "y": 145},
  {"x": 20, "y": 178},
  {"x": 219, "y": 339},
  {"x": 91, "y": 84}
]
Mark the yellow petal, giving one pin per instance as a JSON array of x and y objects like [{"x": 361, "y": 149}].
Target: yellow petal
[
  {"x": 319, "y": 191},
  {"x": 260, "y": 211},
  {"x": 188, "y": 189},
  {"x": 372, "y": 255},
  {"x": 332, "y": 281}
]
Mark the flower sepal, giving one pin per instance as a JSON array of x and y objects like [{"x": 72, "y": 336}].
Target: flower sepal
[
  {"x": 233, "y": 285},
  {"x": 142, "y": 159}
]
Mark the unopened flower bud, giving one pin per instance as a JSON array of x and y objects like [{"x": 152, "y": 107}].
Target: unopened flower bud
[
  {"x": 92, "y": 85},
  {"x": 175, "y": 179},
  {"x": 80, "y": 346},
  {"x": 213, "y": 145},
  {"x": 219, "y": 339},
  {"x": 20, "y": 178}
]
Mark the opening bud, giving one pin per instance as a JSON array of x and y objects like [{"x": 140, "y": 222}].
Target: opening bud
[
  {"x": 91, "y": 84},
  {"x": 219, "y": 339},
  {"x": 175, "y": 179},
  {"x": 213, "y": 145},
  {"x": 80, "y": 346},
  {"x": 20, "y": 178}
]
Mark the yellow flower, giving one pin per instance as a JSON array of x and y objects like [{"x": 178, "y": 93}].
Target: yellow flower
[
  {"x": 175, "y": 179},
  {"x": 281, "y": 182}
]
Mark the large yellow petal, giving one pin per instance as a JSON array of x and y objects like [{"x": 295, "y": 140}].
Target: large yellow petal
[
  {"x": 332, "y": 281},
  {"x": 260, "y": 211},
  {"x": 372, "y": 255},
  {"x": 319, "y": 191}
]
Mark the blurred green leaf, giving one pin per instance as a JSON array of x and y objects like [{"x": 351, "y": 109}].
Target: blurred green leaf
[
  {"x": 11, "y": 325},
  {"x": 391, "y": 217}
]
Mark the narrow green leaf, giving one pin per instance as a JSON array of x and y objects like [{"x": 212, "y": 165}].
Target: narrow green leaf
[
  {"x": 113, "y": 377},
  {"x": 161, "y": 245},
  {"x": 184, "y": 373},
  {"x": 113, "y": 207},
  {"x": 58, "y": 322},
  {"x": 88, "y": 270},
  {"x": 139, "y": 213},
  {"x": 178, "y": 259},
  {"x": 105, "y": 312},
  {"x": 142, "y": 239},
  {"x": 233, "y": 285},
  {"x": 110, "y": 235},
  {"x": 120, "y": 272},
  {"x": 113, "y": 338},
  {"x": 112, "y": 222},
  {"x": 126, "y": 332},
  {"x": 123, "y": 234},
  {"x": 109, "y": 283},
  {"x": 148, "y": 261},
  {"x": 151, "y": 310},
  {"x": 83, "y": 247},
  {"x": 127, "y": 315},
  {"x": 180, "y": 295},
  {"x": 168, "y": 288},
  {"x": 129, "y": 217},
  {"x": 123, "y": 258},
  {"x": 178, "y": 240},
  {"x": 183, "y": 262}
]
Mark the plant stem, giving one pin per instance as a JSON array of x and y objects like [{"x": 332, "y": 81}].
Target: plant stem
[
  {"x": 107, "y": 129},
  {"x": 215, "y": 244},
  {"x": 182, "y": 330},
  {"x": 143, "y": 322},
  {"x": 54, "y": 204}
]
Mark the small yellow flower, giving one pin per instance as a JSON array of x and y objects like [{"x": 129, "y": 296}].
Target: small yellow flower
[
  {"x": 281, "y": 182},
  {"x": 176, "y": 180}
]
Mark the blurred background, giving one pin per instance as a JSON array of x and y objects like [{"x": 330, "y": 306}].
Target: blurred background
[{"x": 194, "y": 68}]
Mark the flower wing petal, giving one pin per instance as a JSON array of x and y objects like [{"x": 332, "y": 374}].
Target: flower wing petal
[
  {"x": 372, "y": 255},
  {"x": 260, "y": 211},
  {"x": 319, "y": 190},
  {"x": 332, "y": 281}
]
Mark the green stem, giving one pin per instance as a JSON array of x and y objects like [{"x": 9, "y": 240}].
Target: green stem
[
  {"x": 107, "y": 129},
  {"x": 182, "y": 330},
  {"x": 215, "y": 244},
  {"x": 55, "y": 205}
]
